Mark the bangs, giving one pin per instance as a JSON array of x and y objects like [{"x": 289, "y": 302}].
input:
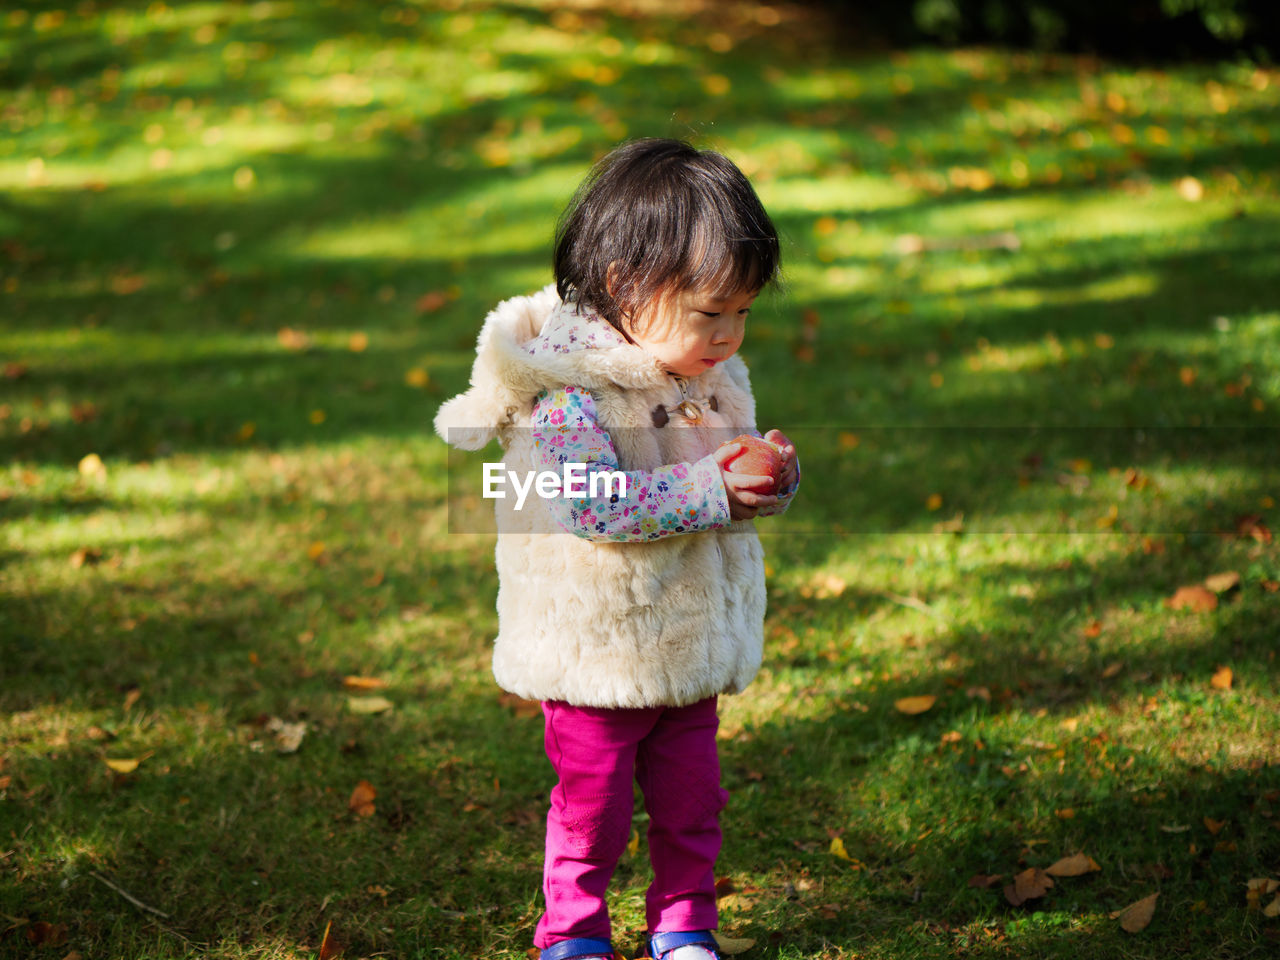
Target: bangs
[{"x": 655, "y": 217}]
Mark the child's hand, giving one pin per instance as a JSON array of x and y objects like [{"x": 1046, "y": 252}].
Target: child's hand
[
  {"x": 790, "y": 472},
  {"x": 743, "y": 504}
]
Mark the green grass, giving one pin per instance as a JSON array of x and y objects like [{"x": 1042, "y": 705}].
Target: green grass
[{"x": 246, "y": 250}]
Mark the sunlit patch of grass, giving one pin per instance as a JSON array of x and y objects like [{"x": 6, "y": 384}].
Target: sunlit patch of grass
[{"x": 247, "y": 248}]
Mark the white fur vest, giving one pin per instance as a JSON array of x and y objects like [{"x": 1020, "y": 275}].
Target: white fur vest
[{"x": 605, "y": 624}]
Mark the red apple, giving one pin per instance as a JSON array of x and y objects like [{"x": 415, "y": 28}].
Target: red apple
[{"x": 758, "y": 457}]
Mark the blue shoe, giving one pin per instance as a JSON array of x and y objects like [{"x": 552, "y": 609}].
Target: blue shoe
[
  {"x": 579, "y": 948},
  {"x": 684, "y": 945}
]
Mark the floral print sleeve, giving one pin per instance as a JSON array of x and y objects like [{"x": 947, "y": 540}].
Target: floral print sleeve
[{"x": 673, "y": 499}]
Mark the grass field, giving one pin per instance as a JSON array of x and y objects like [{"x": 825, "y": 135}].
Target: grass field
[{"x": 1028, "y": 346}]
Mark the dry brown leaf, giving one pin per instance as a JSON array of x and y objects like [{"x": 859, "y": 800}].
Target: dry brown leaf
[
  {"x": 86, "y": 557},
  {"x": 330, "y": 949},
  {"x": 362, "y": 797},
  {"x": 123, "y": 765},
  {"x": 1222, "y": 582},
  {"x": 1065, "y": 813},
  {"x": 1137, "y": 915},
  {"x": 91, "y": 465},
  {"x": 1093, "y": 628},
  {"x": 1273, "y": 908},
  {"x": 914, "y": 705},
  {"x": 1261, "y": 886},
  {"x": 730, "y": 946},
  {"x": 44, "y": 934},
  {"x": 367, "y": 705},
  {"x": 292, "y": 339},
  {"x": 364, "y": 683},
  {"x": 1030, "y": 884},
  {"x": 288, "y": 736},
  {"x": 1221, "y": 679},
  {"x": 1251, "y": 525},
  {"x": 1214, "y": 826},
  {"x": 1197, "y": 598},
  {"x": 1112, "y": 669},
  {"x": 1076, "y": 865},
  {"x": 984, "y": 880}
]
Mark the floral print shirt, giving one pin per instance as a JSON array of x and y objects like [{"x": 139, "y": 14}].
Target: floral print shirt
[{"x": 678, "y": 498}]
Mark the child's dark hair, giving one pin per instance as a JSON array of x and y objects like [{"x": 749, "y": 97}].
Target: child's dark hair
[{"x": 657, "y": 216}]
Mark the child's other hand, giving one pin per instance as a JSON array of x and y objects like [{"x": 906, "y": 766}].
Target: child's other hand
[
  {"x": 790, "y": 472},
  {"x": 743, "y": 504}
]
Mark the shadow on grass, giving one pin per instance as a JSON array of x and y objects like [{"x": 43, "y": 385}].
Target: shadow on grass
[{"x": 246, "y": 848}]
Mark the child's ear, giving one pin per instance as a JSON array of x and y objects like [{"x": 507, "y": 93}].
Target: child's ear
[{"x": 611, "y": 278}]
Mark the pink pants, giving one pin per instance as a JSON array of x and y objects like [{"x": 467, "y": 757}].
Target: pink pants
[{"x": 671, "y": 752}]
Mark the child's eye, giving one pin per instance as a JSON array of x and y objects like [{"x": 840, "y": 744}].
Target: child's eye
[{"x": 708, "y": 313}]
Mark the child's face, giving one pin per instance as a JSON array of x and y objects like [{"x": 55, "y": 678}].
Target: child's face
[{"x": 690, "y": 331}]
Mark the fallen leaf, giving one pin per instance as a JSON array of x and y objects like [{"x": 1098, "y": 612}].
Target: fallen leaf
[
  {"x": 329, "y": 947},
  {"x": 1030, "y": 884},
  {"x": 1262, "y": 886},
  {"x": 914, "y": 705},
  {"x": 1093, "y": 629},
  {"x": 1112, "y": 669},
  {"x": 1222, "y": 582},
  {"x": 982, "y": 881},
  {"x": 1221, "y": 679},
  {"x": 43, "y": 934},
  {"x": 837, "y": 849},
  {"x": 132, "y": 697},
  {"x": 358, "y": 342},
  {"x": 1137, "y": 915},
  {"x": 1214, "y": 826},
  {"x": 1190, "y": 189},
  {"x": 417, "y": 377},
  {"x": 1076, "y": 865},
  {"x": 1251, "y": 525},
  {"x": 431, "y": 302},
  {"x": 288, "y": 736},
  {"x": 123, "y": 765},
  {"x": 732, "y": 945},
  {"x": 86, "y": 557},
  {"x": 1196, "y": 597},
  {"x": 364, "y": 683},
  {"x": 1065, "y": 813},
  {"x": 1273, "y": 908},
  {"x": 362, "y": 797},
  {"x": 633, "y": 845},
  {"x": 292, "y": 339},
  {"x": 91, "y": 465},
  {"x": 368, "y": 705}
]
